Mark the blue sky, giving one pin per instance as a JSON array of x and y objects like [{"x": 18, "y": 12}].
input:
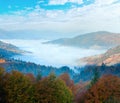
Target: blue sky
[
  {"x": 65, "y": 16},
  {"x": 8, "y": 6}
]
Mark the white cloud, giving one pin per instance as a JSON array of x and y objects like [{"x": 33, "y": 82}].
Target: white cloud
[
  {"x": 61, "y": 2},
  {"x": 93, "y": 17},
  {"x": 104, "y": 2},
  {"x": 40, "y": 1}
]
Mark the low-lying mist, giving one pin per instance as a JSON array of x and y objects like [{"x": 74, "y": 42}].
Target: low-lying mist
[{"x": 49, "y": 54}]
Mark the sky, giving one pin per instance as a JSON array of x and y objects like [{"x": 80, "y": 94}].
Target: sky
[{"x": 63, "y": 16}]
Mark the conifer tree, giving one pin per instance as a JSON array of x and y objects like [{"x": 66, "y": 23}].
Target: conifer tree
[
  {"x": 95, "y": 77},
  {"x": 2, "y": 91}
]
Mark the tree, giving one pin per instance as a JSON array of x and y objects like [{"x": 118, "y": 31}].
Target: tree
[
  {"x": 52, "y": 90},
  {"x": 95, "y": 77},
  {"x": 80, "y": 92},
  {"x": 2, "y": 91},
  {"x": 106, "y": 90},
  {"x": 18, "y": 88},
  {"x": 31, "y": 77},
  {"x": 66, "y": 78},
  {"x": 38, "y": 76}
]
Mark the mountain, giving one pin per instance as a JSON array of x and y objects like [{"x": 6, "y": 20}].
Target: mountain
[
  {"x": 111, "y": 57},
  {"x": 83, "y": 73},
  {"x": 8, "y": 50},
  {"x": 100, "y": 39}
]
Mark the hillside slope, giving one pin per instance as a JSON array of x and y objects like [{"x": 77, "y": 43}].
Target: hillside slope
[
  {"x": 101, "y": 39},
  {"x": 8, "y": 50},
  {"x": 111, "y": 57}
]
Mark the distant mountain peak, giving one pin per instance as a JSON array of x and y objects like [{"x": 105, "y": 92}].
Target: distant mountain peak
[
  {"x": 102, "y": 32},
  {"x": 102, "y": 39}
]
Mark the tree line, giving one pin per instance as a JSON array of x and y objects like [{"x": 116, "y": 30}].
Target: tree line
[{"x": 16, "y": 87}]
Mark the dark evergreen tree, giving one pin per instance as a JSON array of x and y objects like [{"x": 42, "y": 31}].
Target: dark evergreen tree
[
  {"x": 2, "y": 91},
  {"x": 39, "y": 76},
  {"x": 95, "y": 77}
]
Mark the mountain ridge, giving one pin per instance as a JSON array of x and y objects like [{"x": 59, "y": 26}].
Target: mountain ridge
[
  {"x": 111, "y": 57},
  {"x": 8, "y": 50},
  {"x": 95, "y": 40}
]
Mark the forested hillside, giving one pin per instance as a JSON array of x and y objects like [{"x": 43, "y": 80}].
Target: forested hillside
[
  {"x": 16, "y": 87},
  {"x": 8, "y": 50},
  {"x": 28, "y": 67},
  {"x": 23, "y": 82}
]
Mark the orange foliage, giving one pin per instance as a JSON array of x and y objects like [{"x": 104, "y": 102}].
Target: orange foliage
[
  {"x": 31, "y": 77},
  {"x": 80, "y": 91},
  {"x": 108, "y": 87},
  {"x": 69, "y": 83},
  {"x": 2, "y": 61}
]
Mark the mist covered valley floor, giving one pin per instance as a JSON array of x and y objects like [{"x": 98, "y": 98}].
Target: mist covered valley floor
[
  {"x": 45, "y": 59},
  {"x": 51, "y": 54}
]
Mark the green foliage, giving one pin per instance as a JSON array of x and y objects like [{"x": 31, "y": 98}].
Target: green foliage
[
  {"x": 18, "y": 88},
  {"x": 2, "y": 71},
  {"x": 2, "y": 91},
  {"x": 52, "y": 90},
  {"x": 38, "y": 76},
  {"x": 112, "y": 99},
  {"x": 95, "y": 77}
]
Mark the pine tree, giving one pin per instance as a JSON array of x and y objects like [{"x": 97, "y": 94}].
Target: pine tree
[
  {"x": 38, "y": 77},
  {"x": 2, "y": 91},
  {"x": 95, "y": 77}
]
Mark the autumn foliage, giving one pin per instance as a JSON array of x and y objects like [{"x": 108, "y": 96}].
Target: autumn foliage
[
  {"x": 52, "y": 90},
  {"x": 106, "y": 90},
  {"x": 16, "y": 87}
]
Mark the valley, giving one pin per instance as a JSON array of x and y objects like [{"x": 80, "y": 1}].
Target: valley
[
  {"x": 28, "y": 63},
  {"x": 59, "y": 51},
  {"x": 50, "y": 54}
]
